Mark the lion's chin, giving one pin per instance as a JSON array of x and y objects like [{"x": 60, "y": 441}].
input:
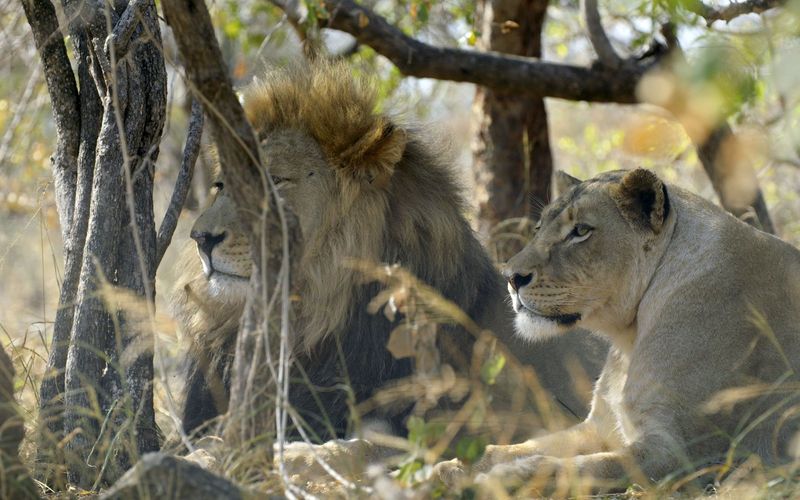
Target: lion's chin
[
  {"x": 533, "y": 327},
  {"x": 227, "y": 287}
]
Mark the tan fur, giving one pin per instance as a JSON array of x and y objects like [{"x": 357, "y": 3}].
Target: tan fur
[
  {"x": 336, "y": 111},
  {"x": 703, "y": 315},
  {"x": 328, "y": 118},
  {"x": 322, "y": 120}
]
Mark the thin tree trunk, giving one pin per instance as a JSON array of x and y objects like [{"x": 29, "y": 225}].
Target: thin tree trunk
[
  {"x": 251, "y": 415},
  {"x": 733, "y": 178},
  {"x": 512, "y": 159},
  {"x": 72, "y": 168},
  {"x": 97, "y": 394}
]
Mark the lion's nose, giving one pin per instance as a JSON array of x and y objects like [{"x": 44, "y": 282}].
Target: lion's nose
[
  {"x": 207, "y": 241},
  {"x": 517, "y": 281}
]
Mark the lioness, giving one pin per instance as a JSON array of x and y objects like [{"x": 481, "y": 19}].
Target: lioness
[
  {"x": 703, "y": 315},
  {"x": 363, "y": 188}
]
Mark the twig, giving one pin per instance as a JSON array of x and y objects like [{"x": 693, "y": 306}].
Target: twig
[
  {"x": 19, "y": 112},
  {"x": 597, "y": 35},
  {"x": 311, "y": 41},
  {"x": 121, "y": 34},
  {"x": 237, "y": 146},
  {"x": 190, "y": 153},
  {"x": 63, "y": 92}
]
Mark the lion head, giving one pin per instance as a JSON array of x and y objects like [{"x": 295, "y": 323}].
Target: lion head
[
  {"x": 593, "y": 244},
  {"x": 363, "y": 188}
]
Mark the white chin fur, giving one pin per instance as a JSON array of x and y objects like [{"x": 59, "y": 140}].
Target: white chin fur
[
  {"x": 229, "y": 289},
  {"x": 536, "y": 328}
]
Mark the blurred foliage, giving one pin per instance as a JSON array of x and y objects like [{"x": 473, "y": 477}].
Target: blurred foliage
[
  {"x": 491, "y": 368},
  {"x": 470, "y": 449}
]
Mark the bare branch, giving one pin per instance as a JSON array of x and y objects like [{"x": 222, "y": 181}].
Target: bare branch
[
  {"x": 733, "y": 9},
  {"x": 310, "y": 41},
  {"x": 499, "y": 72},
  {"x": 121, "y": 34},
  {"x": 63, "y": 92},
  {"x": 597, "y": 35},
  {"x": 237, "y": 146},
  {"x": 91, "y": 111},
  {"x": 722, "y": 178},
  {"x": 190, "y": 152}
]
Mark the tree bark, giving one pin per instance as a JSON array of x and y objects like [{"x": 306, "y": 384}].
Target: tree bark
[
  {"x": 733, "y": 178},
  {"x": 255, "y": 380},
  {"x": 72, "y": 168},
  {"x": 506, "y": 72},
  {"x": 97, "y": 394},
  {"x": 512, "y": 158}
]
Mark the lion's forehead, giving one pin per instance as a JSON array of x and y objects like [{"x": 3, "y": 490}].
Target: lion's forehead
[
  {"x": 584, "y": 191},
  {"x": 289, "y": 149}
]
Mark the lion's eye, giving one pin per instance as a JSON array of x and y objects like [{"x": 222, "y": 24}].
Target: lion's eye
[
  {"x": 580, "y": 232},
  {"x": 218, "y": 185},
  {"x": 277, "y": 180}
]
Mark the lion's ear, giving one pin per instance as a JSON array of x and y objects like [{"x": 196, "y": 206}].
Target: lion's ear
[
  {"x": 642, "y": 199},
  {"x": 373, "y": 158},
  {"x": 564, "y": 182}
]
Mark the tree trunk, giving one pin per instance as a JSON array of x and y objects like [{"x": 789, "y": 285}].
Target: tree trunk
[
  {"x": 512, "y": 159},
  {"x": 733, "y": 177},
  {"x": 251, "y": 415},
  {"x": 98, "y": 395}
]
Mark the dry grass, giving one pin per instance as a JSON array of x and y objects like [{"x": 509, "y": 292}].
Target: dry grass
[{"x": 29, "y": 299}]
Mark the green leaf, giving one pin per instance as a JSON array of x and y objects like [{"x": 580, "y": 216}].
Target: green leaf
[
  {"x": 492, "y": 368},
  {"x": 406, "y": 473},
  {"x": 422, "y": 13},
  {"x": 232, "y": 28},
  {"x": 470, "y": 449},
  {"x": 424, "y": 433},
  {"x": 415, "y": 429}
]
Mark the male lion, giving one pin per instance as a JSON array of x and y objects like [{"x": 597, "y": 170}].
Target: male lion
[
  {"x": 363, "y": 189},
  {"x": 703, "y": 315}
]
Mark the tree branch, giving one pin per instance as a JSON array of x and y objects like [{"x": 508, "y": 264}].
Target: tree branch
[
  {"x": 722, "y": 178},
  {"x": 190, "y": 152},
  {"x": 121, "y": 34},
  {"x": 597, "y": 35},
  {"x": 253, "y": 388},
  {"x": 733, "y": 9},
  {"x": 63, "y": 92},
  {"x": 499, "y": 72},
  {"x": 238, "y": 149},
  {"x": 311, "y": 42}
]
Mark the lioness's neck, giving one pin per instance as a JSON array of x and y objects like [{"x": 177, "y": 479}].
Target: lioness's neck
[{"x": 618, "y": 321}]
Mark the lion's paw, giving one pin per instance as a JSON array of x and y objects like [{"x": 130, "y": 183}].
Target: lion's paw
[
  {"x": 451, "y": 472},
  {"x": 310, "y": 461},
  {"x": 512, "y": 475}
]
